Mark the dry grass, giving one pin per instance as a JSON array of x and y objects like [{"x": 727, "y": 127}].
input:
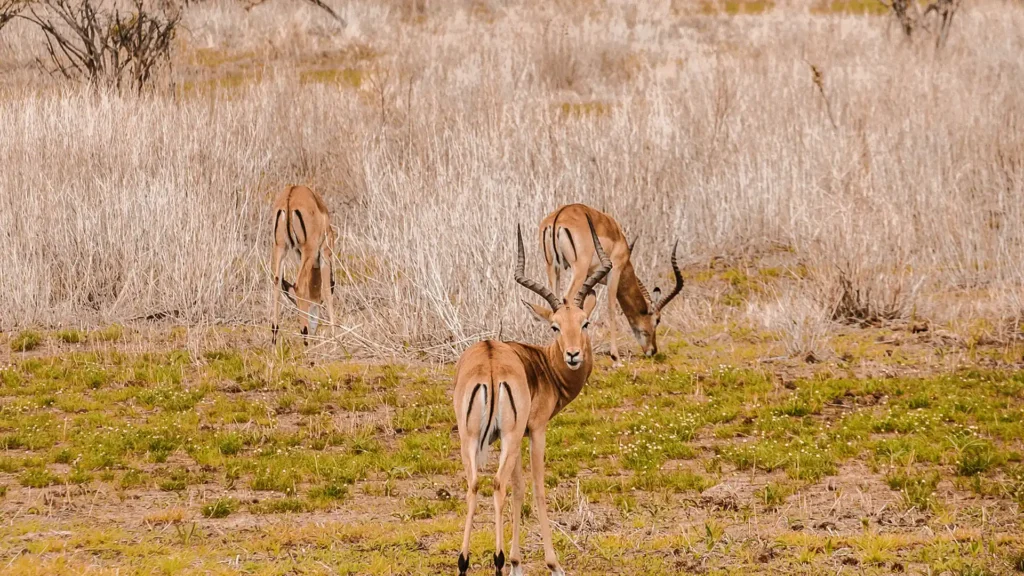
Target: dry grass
[
  {"x": 709, "y": 129},
  {"x": 799, "y": 321}
]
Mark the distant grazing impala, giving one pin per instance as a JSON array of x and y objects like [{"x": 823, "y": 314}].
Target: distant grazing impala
[
  {"x": 302, "y": 225},
  {"x": 507, "y": 390},
  {"x": 567, "y": 245}
]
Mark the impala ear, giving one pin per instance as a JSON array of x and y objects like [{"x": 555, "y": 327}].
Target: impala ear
[
  {"x": 589, "y": 303},
  {"x": 540, "y": 312},
  {"x": 289, "y": 290}
]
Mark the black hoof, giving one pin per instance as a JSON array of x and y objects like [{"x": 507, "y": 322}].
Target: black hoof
[
  {"x": 499, "y": 562},
  {"x": 463, "y": 564}
]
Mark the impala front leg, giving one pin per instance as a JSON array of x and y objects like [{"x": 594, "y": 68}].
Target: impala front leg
[
  {"x": 329, "y": 294},
  {"x": 275, "y": 268},
  {"x": 537, "y": 471},
  {"x": 613, "y": 291}
]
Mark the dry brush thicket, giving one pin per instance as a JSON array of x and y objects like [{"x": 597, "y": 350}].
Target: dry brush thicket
[{"x": 890, "y": 177}]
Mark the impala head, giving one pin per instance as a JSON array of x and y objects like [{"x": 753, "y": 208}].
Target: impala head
[
  {"x": 569, "y": 321},
  {"x": 569, "y": 325},
  {"x": 645, "y": 324}
]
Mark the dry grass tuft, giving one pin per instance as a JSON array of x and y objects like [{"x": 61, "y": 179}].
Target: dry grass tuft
[{"x": 802, "y": 323}]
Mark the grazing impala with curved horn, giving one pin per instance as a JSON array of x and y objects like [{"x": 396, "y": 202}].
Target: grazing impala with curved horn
[
  {"x": 302, "y": 225},
  {"x": 567, "y": 245},
  {"x": 507, "y": 390}
]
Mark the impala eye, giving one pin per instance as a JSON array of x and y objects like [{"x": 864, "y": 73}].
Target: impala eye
[
  {"x": 586, "y": 325},
  {"x": 554, "y": 328}
]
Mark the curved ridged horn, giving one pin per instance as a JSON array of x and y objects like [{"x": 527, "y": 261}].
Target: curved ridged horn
[
  {"x": 679, "y": 283},
  {"x": 521, "y": 278},
  {"x": 644, "y": 293},
  {"x": 643, "y": 289},
  {"x": 598, "y": 274}
]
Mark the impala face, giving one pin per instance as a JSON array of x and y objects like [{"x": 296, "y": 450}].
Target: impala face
[
  {"x": 645, "y": 328},
  {"x": 569, "y": 326}
]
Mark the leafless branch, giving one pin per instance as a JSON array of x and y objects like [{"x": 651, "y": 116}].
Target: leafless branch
[
  {"x": 318, "y": 3},
  {"x": 911, "y": 19},
  {"x": 9, "y": 9},
  {"x": 105, "y": 47}
]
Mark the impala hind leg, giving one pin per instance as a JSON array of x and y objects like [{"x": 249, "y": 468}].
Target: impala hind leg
[
  {"x": 554, "y": 277},
  {"x": 472, "y": 487},
  {"x": 303, "y": 291},
  {"x": 537, "y": 471},
  {"x": 515, "y": 557},
  {"x": 507, "y": 464}
]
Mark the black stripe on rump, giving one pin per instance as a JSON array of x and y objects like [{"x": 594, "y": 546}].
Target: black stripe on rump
[
  {"x": 472, "y": 397},
  {"x": 515, "y": 413},
  {"x": 554, "y": 235},
  {"x": 554, "y": 255},
  {"x": 490, "y": 415},
  {"x": 575, "y": 255},
  {"x": 303, "y": 224},
  {"x": 288, "y": 216}
]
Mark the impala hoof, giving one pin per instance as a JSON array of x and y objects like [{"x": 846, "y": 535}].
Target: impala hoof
[{"x": 463, "y": 564}]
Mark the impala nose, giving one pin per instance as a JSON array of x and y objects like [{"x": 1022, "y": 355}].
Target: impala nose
[
  {"x": 651, "y": 351},
  {"x": 573, "y": 358}
]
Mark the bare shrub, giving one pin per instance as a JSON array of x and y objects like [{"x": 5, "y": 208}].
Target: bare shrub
[
  {"x": 250, "y": 4},
  {"x": 801, "y": 323},
  {"x": 906, "y": 13},
  {"x": 9, "y": 9},
  {"x": 559, "y": 62},
  {"x": 910, "y": 18},
  {"x": 105, "y": 47},
  {"x": 944, "y": 10}
]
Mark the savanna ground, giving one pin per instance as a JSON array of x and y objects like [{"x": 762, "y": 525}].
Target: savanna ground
[
  {"x": 841, "y": 383},
  {"x": 902, "y": 453}
]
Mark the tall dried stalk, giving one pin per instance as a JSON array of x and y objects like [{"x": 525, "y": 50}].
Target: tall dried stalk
[{"x": 114, "y": 207}]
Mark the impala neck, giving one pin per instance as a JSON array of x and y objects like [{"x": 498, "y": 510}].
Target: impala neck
[
  {"x": 567, "y": 383},
  {"x": 631, "y": 298}
]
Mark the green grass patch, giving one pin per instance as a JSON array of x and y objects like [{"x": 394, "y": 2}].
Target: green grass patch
[
  {"x": 917, "y": 490},
  {"x": 220, "y": 508},
  {"x": 26, "y": 340},
  {"x": 281, "y": 506},
  {"x": 112, "y": 333},
  {"x": 71, "y": 336},
  {"x": 37, "y": 478}
]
